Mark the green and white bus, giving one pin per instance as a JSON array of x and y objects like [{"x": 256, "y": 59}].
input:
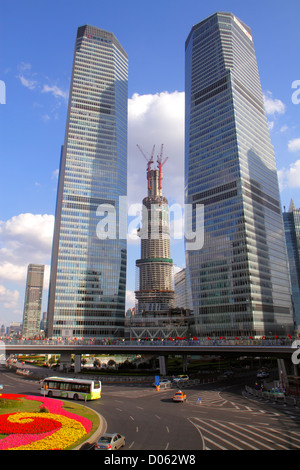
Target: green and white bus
[{"x": 78, "y": 389}]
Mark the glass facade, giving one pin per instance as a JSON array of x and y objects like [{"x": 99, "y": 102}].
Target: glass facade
[
  {"x": 33, "y": 300},
  {"x": 291, "y": 221},
  {"x": 239, "y": 279},
  {"x": 88, "y": 272}
]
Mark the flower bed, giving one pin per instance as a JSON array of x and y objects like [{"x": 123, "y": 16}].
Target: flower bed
[{"x": 55, "y": 429}]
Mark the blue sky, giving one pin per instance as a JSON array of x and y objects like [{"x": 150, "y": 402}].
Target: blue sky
[{"x": 37, "y": 42}]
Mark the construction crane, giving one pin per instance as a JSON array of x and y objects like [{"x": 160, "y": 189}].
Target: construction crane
[
  {"x": 149, "y": 163},
  {"x": 160, "y": 165}
]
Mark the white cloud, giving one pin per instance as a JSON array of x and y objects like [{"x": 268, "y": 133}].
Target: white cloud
[
  {"x": 290, "y": 177},
  {"x": 55, "y": 174},
  {"x": 272, "y": 105},
  {"x": 8, "y": 298},
  {"x": 130, "y": 299},
  {"x": 36, "y": 83},
  {"x": 24, "y": 66},
  {"x": 55, "y": 91},
  {"x": 294, "y": 145},
  {"x": 155, "y": 120},
  {"x": 24, "y": 239},
  {"x": 28, "y": 83}
]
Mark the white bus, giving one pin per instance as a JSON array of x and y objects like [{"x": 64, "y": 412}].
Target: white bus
[{"x": 78, "y": 389}]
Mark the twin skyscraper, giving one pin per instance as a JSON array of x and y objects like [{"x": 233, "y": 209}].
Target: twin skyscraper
[{"x": 239, "y": 279}]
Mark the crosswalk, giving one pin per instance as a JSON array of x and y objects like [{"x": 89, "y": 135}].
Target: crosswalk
[
  {"x": 221, "y": 435},
  {"x": 216, "y": 398}
]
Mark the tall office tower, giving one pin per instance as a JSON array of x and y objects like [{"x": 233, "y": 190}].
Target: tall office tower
[
  {"x": 88, "y": 272},
  {"x": 291, "y": 220},
  {"x": 33, "y": 300},
  {"x": 239, "y": 278},
  {"x": 155, "y": 293},
  {"x": 181, "y": 297}
]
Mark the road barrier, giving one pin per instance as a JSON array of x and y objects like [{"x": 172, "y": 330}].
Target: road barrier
[{"x": 274, "y": 397}]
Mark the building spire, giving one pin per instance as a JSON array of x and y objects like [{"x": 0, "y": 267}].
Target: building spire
[{"x": 292, "y": 206}]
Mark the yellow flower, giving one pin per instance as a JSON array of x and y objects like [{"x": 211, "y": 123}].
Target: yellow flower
[{"x": 70, "y": 432}]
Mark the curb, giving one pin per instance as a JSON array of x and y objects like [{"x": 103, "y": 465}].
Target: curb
[{"x": 94, "y": 437}]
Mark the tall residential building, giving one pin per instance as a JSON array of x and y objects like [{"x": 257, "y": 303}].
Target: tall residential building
[
  {"x": 155, "y": 293},
  {"x": 239, "y": 279},
  {"x": 33, "y": 300},
  {"x": 291, "y": 221},
  {"x": 88, "y": 272}
]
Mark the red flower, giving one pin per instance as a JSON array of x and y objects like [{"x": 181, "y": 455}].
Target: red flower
[
  {"x": 11, "y": 396},
  {"x": 33, "y": 425}
]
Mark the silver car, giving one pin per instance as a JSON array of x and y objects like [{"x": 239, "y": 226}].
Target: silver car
[
  {"x": 110, "y": 442},
  {"x": 162, "y": 382}
]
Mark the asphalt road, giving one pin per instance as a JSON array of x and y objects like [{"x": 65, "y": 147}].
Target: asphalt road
[{"x": 214, "y": 417}]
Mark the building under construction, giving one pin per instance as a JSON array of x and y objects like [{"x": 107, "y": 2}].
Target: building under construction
[
  {"x": 155, "y": 314},
  {"x": 155, "y": 293}
]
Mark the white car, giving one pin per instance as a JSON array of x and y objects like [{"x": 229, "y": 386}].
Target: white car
[
  {"x": 181, "y": 378},
  {"x": 162, "y": 382},
  {"x": 1, "y": 387}
]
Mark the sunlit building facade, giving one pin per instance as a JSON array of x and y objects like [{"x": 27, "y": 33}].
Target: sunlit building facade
[
  {"x": 33, "y": 300},
  {"x": 291, "y": 220},
  {"x": 88, "y": 272},
  {"x": 239, "y": 278}
]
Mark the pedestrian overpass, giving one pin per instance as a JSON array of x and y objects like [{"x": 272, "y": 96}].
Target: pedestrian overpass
[{"x": 285, "y": 351}]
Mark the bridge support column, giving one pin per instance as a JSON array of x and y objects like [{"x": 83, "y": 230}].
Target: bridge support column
[
  {"x": 77, "y": 363},
  {"x": 65, "y": 362},
  {"x": 282, "y": 372},
  {"x": 285, "y": 368},
  {"x": 184, "y": 363},
  {"x": 163, "y": 365}
]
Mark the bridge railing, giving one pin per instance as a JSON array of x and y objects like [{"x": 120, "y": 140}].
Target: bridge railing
[
  {"x": 273, "y": 397},
  {"x": 152, "y": 342}
]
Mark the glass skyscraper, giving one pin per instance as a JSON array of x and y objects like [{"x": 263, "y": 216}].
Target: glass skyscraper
[
  {"x": 88, "y": 272},
  {"x": 239, "y": 279},
  {"x": 33, "y": 300},
  {"x": 291, "y": 221}
]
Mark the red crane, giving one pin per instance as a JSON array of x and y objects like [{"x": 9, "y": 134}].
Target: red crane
[{"x": 160, "y": 165}]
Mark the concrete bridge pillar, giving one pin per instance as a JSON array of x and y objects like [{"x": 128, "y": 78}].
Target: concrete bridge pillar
[
  {"x": 77, "y": 363},
  {"x": 282, "y": 374},
  {"x": 286, "y": 368},
  {"x": 184, "y": 363},
  {"x": 65, "y": 362},
  {"x": 163, "y": 365}
]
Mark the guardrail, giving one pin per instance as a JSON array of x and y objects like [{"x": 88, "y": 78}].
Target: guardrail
[
  {"x": 273, "y": 397},
  {"x": 151, "y": 342}
]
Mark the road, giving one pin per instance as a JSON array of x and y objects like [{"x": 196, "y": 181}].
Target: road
[{"x": 214, "y": 417}]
